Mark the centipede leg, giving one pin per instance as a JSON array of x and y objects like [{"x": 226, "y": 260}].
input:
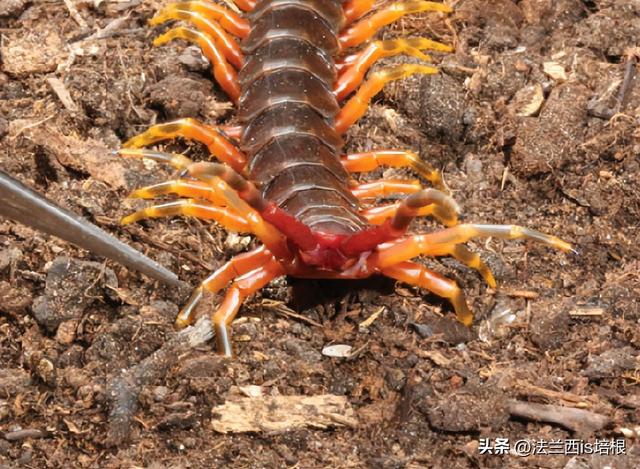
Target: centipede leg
[
  {"x": 238, "y": 194},
  {"x": 218, "y": 144},
  {"x": 210, "y": 28},
  {"x": 229, "y": 20},
  {"x": 380, "y": 214},
  {"x": 223, "y": 72},
  {"x": 441, "y": 241},
  {"x": 181, "y": 187},
  {"x": 245, "y": 5},
  {"x": 366, "y": 28},
  {"x": 386, "y": 187},
  {"x": 192, "y": 208},
  {"x": 357, "y": 105},
  {"x": 355, "y": 9},
  {"x": 445, "y": 209},
  {"x": 235, "y": 295},
  {"x": 236, "y": 267},
  {"x": 420, "y": 276},
  {"x": 425, "y": 202},
  {"x": 353, "y": 73},
  {"x": 369, "y": 161}
]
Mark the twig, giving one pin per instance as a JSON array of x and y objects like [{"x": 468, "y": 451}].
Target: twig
[
  {"x": 63, "y": 94},
  {"x": 280, "y": 308},
  {"x": 19, "y": 435},
  {"x": 628, "y": 81},
  {"x": 528, "y": 294},
  {"x": 578, "y": 420},
  {"x": 75, "y": 14},
  {"x": 123, "y": 389}
]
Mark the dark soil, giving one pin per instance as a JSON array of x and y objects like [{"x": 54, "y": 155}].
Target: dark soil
[{"x": 530, "y": 127}]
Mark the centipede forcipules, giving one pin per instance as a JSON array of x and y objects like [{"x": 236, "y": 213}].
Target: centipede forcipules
[{"x": 281, "y": 174}]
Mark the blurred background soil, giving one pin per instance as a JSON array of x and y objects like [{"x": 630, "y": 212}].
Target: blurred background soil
[{"x": 534, "y": 120}]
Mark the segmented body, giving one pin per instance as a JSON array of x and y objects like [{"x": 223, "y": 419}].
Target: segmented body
[
  {"x": 286, "y": 180},
  {"x": 287, "y": 109}
]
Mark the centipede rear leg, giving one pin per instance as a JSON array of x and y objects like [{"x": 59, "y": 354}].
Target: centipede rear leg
[
  {"x": 221, "y": 278},
  {"x": 235, "y": 296}
]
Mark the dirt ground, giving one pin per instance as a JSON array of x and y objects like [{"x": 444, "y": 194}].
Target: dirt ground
[{"x": 535, "y": 120}]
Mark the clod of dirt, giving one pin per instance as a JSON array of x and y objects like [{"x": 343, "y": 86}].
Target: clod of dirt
[
  {"x": 547, "y": 143},
  {"x": 12, "y": 7},
  {"x": 450, "y": 330},
  {"x": 180, "y": 97},
  {"x": 71, "y": 286},
  {"x": 608, "y": 30},
  {"x": 442, "y": 107},
  {"x": 469, "y": 409},
  {"x": 13, "y": 381},
  {"x": 13, "y": 299},
  {"x": 549, "y": 329},
  {"x": 38, "y": 52},
  {"x": 612, "y": 363}
]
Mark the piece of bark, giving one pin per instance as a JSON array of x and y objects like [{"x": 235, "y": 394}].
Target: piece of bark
[{"x": 283, "y": 413}]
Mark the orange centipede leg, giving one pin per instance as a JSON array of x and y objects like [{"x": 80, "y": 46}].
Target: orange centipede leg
[
  {"x": 236, "y": 267},
  {"x": 183, "y": 188},
  {"x": 223, "y": 72},
  {"x": 422, "y": 202},
  {"x": 366, "y": 28},
  {"x": 218, "y": 145},
  {"x": 357, "y": 105},
  {"x": 245, "y": 5},
  {"x": 228, "y": 19},
  {"x": 227, "y": 183},
  {"x": 211, "y": 28},
  {"x": 355, "y": 9},
  {"x": 420, "y": 276},
  {"x": 445, "y": 209},
  {"x": 235, "y": 295},
  {"x": 355, "y": 67},
  {"x": 380, "y": 214},
  {"x": 385, "y": 187},
  {"x": 369, "y": 161},
  {"x": 436, "y": 243},
  {"x": 192, "y": 208}
]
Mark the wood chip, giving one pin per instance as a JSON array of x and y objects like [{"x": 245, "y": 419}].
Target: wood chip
[
  {"x": 577, "y": 420},
  {"x": 283, "y": 413},
  {"x": 86, "y": 155},
  {"x": 63, "y": 94},
  {"x": 587, "y": 311},
  {"x": 435, "y": 356},
  {"x": 555, "y": 70},
  {"x": 371, "y": 319}
]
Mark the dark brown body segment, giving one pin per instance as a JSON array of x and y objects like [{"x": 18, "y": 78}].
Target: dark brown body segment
[{"x": 288, "y": 107}]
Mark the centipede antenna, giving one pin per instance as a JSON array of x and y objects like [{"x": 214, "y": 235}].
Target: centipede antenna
[{"x": 22, "y": 204}]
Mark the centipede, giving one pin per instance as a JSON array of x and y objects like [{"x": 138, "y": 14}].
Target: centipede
[{"x": 301, "y": 73}]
